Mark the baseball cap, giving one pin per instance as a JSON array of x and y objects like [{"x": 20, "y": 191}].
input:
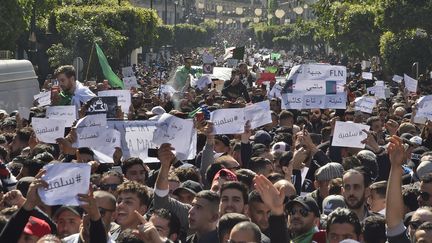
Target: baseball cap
[
  {"x": 332, "y": 202},
  {"x": 306, "y": 201},
  {"x": 224, "y": 139},
  {"x": 424, "y": 168},
  {"x": 280, "y": 147},
  {"x": 226, "y": 174},
  {"x": 74, "y": 209},
  {"x": 189, "y": 186},
  {"x": 416, "y": 140},
  {"x": 37, "y": 227},
  {"x": 329, "y": 171},
  {"x": 262, "y": 137}
]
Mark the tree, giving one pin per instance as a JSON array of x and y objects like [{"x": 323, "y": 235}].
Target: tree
[
  {"x": 349, "y": 26},
  {"x": 117, "y": 29},
  {"x": 400, "y": 50},
  {"x": 12, "y": 24},
  {"x": 400, "y": 15},
  {"x": 188, "y": 36}
]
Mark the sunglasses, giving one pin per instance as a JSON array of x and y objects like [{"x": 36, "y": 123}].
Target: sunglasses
[
  {"x": 303, "y": 211},
  {"x": 103, "y": 211},
  {"x": 424, "y": 195},
  {"x": 415, "y": 224},
  {"x": 107, "y": 187}
]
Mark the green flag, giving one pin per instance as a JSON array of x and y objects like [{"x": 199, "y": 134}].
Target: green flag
[
  {"x": 114, "y": 81},
  {"x": 271, "y": 69},
  {"x": 275, "y": 56}
]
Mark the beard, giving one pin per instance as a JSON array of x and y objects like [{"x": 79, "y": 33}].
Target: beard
[{"x": 356, "y": 205}]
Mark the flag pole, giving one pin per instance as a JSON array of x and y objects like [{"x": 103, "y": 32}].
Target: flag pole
[{"x": 89, "y": 62}]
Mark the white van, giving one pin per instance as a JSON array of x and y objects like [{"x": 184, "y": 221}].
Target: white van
[{"x": 18, "y": 84}]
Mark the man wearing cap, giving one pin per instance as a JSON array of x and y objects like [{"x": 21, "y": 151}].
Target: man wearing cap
[
  {"x": 331, "y": 203},
  {"x": 303, "y": 218},
  {"x": 186, "y": 192},
  {"x": 34, "y": 230},
  {"x": 323, "y": 176},
  {"x": 68, "y": 220}
]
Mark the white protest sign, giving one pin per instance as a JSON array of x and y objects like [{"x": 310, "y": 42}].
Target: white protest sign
[
  {"x": 367, "y": 75},
  {"x": 208, "y": 58},
  {"x": 96, "y": 120},
  {"x": 101, "y": 139},
  {"x": 124, "y": 99},
  {"x": 424, "y": 110},
  {"x": 307, "y": 86},
  {"x": 202, "y": 82},
  {"x": 67, "y": 113},
  {"x": 379, "y": 83},
  {"x": 292, "y": 101},
  {"x": 24, "y": 112},
  {"x": 43, "y": 98},
  {"x": 130, "y": 82},
  {"x": 377, "y": 91},
  {"x": 228, "y": 121},
  {"x": 397, "y": 78},
  {"x": 410, "y": 83},
  {"x": 365, "y": 104},
  {"x": 348, "y": 134},
  {"x": 176, "y": 131},
  {"x": 276, "y": 91},
  {"x": 337, "y": 101},
  {"x": 136, "y": 138},
  {"x": 48, "y": 130},
  {"x": 65, "y": 182},
  {"x": 259, "y": 114},
  {"x": 128, "y": 72}
]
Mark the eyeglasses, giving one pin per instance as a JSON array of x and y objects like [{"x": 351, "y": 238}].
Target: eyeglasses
[
  {"x": 103, "y": 211},
  {"x": 303, "y": 211},
  {"x": 107, "y": 187},
  {"x": 424, "y": 195},
  {"x": 415, "y": 224}
]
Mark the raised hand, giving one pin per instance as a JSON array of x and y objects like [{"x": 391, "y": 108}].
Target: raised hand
[
  {"x": 392, "y": 127},
  {"x": 14, "y": 197},
  {"x": 33, "y": 198},
  {"x": 90, "y": 205},
  {"x": 166, "y": 155},
  {"x": 396, "y": 152},
  {"x": 147, "y": 231},
  {"x": 271, "y": 196}
]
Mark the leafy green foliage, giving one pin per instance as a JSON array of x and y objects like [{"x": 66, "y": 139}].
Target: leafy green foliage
[
  {"x": 187, "y": 35},
  {"x": 400, "y": 15},
  {"x": 117, "y": 29},
  {"x": 400, "y": 50},
  {"x": 12, "y": 24}
]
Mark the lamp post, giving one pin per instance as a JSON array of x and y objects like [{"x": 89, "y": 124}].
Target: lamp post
[
  {"x": 166, "y": 12},
  {"x": 175, "y": 20},
  {"x": 151, "y": 4},
  {"x": 32, "y": 37}
]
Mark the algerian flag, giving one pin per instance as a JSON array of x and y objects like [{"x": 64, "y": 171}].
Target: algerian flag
[{"x": 114, "y": 81}]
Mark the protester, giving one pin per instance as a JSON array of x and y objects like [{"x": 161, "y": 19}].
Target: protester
[{"x": 271, "y": 167}]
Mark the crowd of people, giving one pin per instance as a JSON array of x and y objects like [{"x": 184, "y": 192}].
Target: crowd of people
[{"x": 282, "y": 182}]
